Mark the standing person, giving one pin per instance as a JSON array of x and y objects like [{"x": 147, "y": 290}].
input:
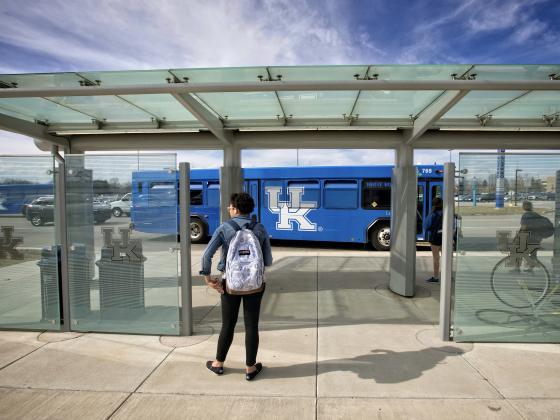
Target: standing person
[
  {"x": 534, "y": 228},
  {"x": 433, "y": 226},
  {"x": 240, "y": 207}
]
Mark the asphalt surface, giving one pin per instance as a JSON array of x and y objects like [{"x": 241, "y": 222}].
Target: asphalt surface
[{"x": 478, "y": 233}]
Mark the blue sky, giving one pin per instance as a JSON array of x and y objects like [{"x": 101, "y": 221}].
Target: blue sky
[{"x": 52, "y": 35}]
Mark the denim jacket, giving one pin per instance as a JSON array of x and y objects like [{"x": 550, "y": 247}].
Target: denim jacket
[{"x": 222, "y": 237}]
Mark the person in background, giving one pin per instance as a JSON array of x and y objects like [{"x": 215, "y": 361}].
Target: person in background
[
  {"x": 433, "y": 226},
  {"x": 240, "y": 207}
]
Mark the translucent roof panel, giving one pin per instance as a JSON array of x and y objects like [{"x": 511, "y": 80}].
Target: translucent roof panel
[
  {"x": 135, "y": 77},
  {"x": 532, "y": 105},
  {"x": 319, "y": 73},
  {"x": 162, "y": 106},
  {"x": 515, "y": 72},
  {"x": 243, "y": 106},
  {"x": 309, "y": 108},
  {"x": 42, "y": 80},
  {"x": 216, "y": 75},
  {"x": 318, "y": 104},
  {"x": 41, "y": 109},
  {"x": 419, "y": 72},
  {"x": 393, "y": 104},
  {"x": 105, "y": 108},
  {"x": 480, "y": 103}
]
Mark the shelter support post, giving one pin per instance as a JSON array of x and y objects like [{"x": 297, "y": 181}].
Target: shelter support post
[
  {"x": 186, "y": 317},
  {"x": 403, "y": 222},
  {"x": 231, "y": 178},
  {"x": 447, "y": 251},
  {"x": 62, "y": 237}
]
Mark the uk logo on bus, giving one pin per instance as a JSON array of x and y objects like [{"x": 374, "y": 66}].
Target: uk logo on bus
[{"x": 294, "y": 210}]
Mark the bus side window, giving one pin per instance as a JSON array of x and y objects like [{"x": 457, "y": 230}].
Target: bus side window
[
  {"x": 196, "y": 193},
  {"x": 376, "y": 194},
  {"x": 213, "y": 194},
  {"x": 161, "y": 192},
  {"x": 310, "y": 196},
  {"x": 341, "y": 194},
  {"x": 436, "y": 191}
]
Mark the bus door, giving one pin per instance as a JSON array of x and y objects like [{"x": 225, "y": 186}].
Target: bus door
[
  {"x": 422, "y": 209},
  {"x": 434, "y": 188}
]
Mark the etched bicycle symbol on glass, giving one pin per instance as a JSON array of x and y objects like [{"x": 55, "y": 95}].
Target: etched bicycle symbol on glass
[{"x": 520, "y": 280}]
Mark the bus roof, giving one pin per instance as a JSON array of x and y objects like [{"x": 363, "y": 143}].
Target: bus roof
[{"x": 324, "y": 172}]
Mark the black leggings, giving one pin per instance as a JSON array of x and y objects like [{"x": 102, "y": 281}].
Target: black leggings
[{"x": 230, "y": 311}]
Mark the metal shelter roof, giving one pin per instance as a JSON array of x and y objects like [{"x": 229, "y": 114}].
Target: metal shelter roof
[{"x": 414, "y": 98}]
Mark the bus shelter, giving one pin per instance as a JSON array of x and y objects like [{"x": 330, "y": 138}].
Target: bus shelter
[{"x": 233, "y": 109}]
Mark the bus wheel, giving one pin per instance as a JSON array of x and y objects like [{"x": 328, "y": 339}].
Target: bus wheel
[
  {"x": 198, "y": 231},
  {"x": 380, "y": 237}
]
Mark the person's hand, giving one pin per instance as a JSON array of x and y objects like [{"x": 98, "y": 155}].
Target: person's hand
[{"x": 214, "y": 283}]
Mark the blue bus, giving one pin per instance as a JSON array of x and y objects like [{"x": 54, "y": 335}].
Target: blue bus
[
  {"x": 14, "y": 197},
  {"x": 336, "y": 204}
]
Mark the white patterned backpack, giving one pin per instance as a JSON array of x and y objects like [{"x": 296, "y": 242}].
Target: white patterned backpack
[{"x": 244, "y": 263}]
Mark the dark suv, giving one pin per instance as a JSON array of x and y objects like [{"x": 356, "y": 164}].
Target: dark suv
[{"x": 41, "y": 211}]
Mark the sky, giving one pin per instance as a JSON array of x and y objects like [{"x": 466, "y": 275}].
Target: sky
[{"x": 83, "y": 35}]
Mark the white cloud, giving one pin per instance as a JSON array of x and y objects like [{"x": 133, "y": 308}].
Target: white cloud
[
  {"x": 11, "y": 143},
  {"x": 167, "y": 34}
]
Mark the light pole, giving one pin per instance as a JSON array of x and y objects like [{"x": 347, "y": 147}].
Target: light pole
[
  {"x": 515, "y": 194},
  {"x": 474, "y": 188}
]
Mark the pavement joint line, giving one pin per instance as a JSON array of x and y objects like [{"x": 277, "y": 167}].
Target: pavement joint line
[
  {"x": 516, "y": 409},
  {"x": 481, "y": 373},
  {"x": 260, "y": 396},
  {"x": 61, "y": 390},
  {"x": 140, "y": 384},
  {"x": 208, "y": 312},
  {"x": 26, "y": 354}
]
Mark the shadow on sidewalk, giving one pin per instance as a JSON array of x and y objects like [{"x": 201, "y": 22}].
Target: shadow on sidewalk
[{"x": 383, "y": 366}]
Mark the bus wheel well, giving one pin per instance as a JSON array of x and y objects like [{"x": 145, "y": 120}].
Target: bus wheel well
[{"x": 378, "y": 234}]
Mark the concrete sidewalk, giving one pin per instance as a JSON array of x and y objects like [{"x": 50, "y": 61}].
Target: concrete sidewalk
[{"x": 335, "y": 343}]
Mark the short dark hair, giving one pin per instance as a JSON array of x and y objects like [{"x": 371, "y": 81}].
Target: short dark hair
[
  {"x": 242, "y": 202},
  {"x": 437, "y": 204}
]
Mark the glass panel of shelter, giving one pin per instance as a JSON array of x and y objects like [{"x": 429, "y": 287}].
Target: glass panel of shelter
[
  {"x": 29, "y": 255},
  {"x": 122, "y": 275},
  {"x": 507, "y": 270}
]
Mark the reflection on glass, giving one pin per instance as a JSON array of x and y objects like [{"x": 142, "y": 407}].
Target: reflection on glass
[
  {"x": 122, "y": 278},
  {"x": 29, "y": 258},
  {"x": 507, "y": 275}
]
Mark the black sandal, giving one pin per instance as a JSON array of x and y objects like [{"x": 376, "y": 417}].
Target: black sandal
[
  {"x": 253, "y": 374},
  {"x": 216, "y": 370}
]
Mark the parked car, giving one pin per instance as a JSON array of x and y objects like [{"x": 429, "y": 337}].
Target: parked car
[
  {"x": 487, "y": 197},
  {"x": 41, "y": 211},
  {"x": 121, "y": 206}
]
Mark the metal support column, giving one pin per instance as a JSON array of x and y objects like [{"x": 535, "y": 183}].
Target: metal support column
[
  {"x": 447, "y": 251},
  {"x": 61, "y": 229},
  {"x": 556, "y": 237},
  {"x": 231, "y": 178},
  {"x": 186, "y": 317},
  {"x": 404, "y": 186}
]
